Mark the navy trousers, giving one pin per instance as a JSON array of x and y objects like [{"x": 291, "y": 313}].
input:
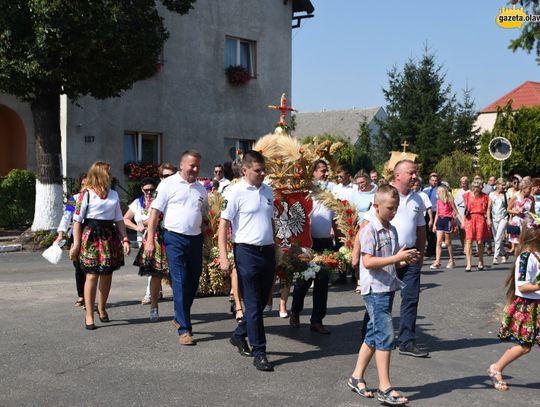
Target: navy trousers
[
  {"x": 320, "y": 288},
  {"x": 184, "y": 254},
  {"x": 255, "y": 266}
]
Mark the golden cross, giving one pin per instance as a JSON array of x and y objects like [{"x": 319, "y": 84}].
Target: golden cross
[{"x": 404, "y": 145}]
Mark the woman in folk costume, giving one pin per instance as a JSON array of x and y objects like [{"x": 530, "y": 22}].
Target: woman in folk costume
[{"x": 99, "y": 238}]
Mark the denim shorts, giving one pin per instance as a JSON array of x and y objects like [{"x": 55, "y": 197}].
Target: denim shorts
[
  {"x": 380, "y": 331},
  {"x": 444, "y": 224}
]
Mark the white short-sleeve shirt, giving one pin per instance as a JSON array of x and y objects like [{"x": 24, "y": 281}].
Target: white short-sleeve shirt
[
  {"x": 426, "y": 200},
  {"x": 409, "y": 216},
  {"x": 141, "y": 214},
  {"x": 182, "y": 204},
  {"x": 91, "y": 206},
  {"x": 526, "y": 272},
  {"x": 321, "y": 221},
  {"x": 250, "y": 210},
  {"x": 431, "y": 192}
]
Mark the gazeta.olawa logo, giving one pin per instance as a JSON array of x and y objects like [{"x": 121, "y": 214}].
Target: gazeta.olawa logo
[{"x": 514, "y": 17}]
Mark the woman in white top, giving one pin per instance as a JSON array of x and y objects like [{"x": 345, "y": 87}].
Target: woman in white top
[
  {"x": 498, "y": 214},
  {"x": 99, "y": 238},
  {"x": 157, "y": 266}
]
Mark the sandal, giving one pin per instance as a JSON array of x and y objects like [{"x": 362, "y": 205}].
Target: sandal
[
  {"x": 499, "y": 385},
  {"x": 435, "y": 266},
  {"x": 353, "y": 383},
  {"x": 450, "y": 264},
  {"x": 241, "y": 317},
  {"x": 386, "y": 397},
  {"x": 358, "y": 289},
  {"x": 79, "y": 302}
]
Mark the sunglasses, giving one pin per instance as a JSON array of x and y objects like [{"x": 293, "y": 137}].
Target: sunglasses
[{"x": 149, "y": 190}]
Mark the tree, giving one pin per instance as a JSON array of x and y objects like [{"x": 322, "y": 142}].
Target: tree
[
  {"x": 522, "y": 129},
  {"x": 530, "y": 31},
  {"x": 454, "y": 166},
  {"x": 466, "y": 138},
  {"x": 363, "y": 147},
  {"x": 86, "y": 47},
  {"x": 421, "y": 111}
]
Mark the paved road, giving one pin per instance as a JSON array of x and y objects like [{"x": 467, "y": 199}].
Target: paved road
[{"x": 49, "y": 359}]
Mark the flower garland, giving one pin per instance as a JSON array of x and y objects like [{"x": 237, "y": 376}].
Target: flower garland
[{"x": 213, "y": 281}]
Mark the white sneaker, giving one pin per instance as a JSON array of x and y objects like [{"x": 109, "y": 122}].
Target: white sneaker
[
  {"x": 283, "y": 314},
  {"x": 495, "y": 261},
  {"x": 154, "y": 314},
  {"x": 503, "y": 259},
  {"x": 267, "y": 308}
]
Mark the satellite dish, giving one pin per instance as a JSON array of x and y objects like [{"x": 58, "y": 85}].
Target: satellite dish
[{"x": 500, "y": 148}]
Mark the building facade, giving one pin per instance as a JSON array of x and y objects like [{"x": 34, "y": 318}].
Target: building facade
[{"x": 188, "y": 103}]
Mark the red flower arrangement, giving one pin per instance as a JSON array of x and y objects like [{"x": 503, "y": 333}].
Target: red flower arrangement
[
  {"x": 136, "y": 171},
  {"x": 237, "y": 75}
]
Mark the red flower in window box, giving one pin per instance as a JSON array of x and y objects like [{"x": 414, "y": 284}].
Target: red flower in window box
[{"x": 237, "y": 75}]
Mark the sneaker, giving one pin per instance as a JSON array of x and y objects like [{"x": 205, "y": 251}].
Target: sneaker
[
  {"x": 495, "y": 261},
  {"x": 503, "y": 259},
  {"x": 154, "y": 315},
  {"x": 146, "y": 300},
  {"x": 412, "y": 350},
  {"x": 267, "y": 308}
]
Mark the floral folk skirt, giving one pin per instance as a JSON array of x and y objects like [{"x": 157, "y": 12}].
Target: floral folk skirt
[
  {"x": 521, "y": 322},
  {"x": 101, "y": 249},
  {"x": 157, "y": 265}
]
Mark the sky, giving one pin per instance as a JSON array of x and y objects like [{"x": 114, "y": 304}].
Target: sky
[{"x": 342, "y": 56}]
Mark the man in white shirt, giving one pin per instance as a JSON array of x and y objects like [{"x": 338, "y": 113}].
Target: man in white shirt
[
  {"x": 431, "y": 192},
  {"x": 183, "y": 202},
  {"x": 219, "y": 176},
  {"x": 248, "y": 208},
  {"x": 411, "y": 227},
  {"x": 344, "y": 186},
  {"x": 322, "y": 232}
]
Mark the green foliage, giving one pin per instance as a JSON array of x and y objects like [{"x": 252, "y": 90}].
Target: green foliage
[
  {"x": 85, "y": 47},
  {"x": 424, "y": 111},
  {"x": 17, "y": 192},
  {"x": 522, "y": 129},
  {"x": 363, "y": 148},
  {"x": 452, "y": 167},
  {"x": 133, "y": 191},
  {"x": 45, "y": 238},
  {"x": 466, "y": 138},
  {"x": 529, "y": 38}
]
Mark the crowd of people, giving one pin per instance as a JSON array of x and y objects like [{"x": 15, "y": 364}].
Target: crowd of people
[{"x": 400, "y": 224}]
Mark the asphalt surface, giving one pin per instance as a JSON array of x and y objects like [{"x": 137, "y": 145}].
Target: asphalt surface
[{"x": 49, "y": 359}]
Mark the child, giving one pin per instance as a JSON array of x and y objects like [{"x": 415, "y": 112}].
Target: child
[
  {"x": 378, "y": 281},
  {"x": 521, "y": 319},
  {"x": 444, "y": 225}
]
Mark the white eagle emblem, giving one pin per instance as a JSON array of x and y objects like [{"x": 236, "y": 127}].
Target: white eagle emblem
[{"x": 290, "y": 223}]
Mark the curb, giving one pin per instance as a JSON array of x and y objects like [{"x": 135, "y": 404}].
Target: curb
[{"x": 10, "y": 248}]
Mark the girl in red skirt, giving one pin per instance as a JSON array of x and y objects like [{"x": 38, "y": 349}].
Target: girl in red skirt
[
  {"x": 99, "y": 238},
  {"x": 521, "y": 317}
]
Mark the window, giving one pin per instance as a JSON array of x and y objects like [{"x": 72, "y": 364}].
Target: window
[
  {"x": 232, "y": 145},
  {"x": 142, "y": 147},
  {"x": 240, "y": 52}
]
